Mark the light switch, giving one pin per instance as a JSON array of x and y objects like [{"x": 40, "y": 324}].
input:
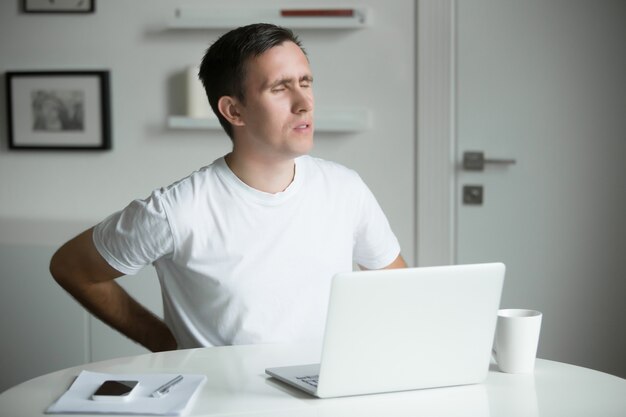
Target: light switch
[{"x": 473, "y": 195}]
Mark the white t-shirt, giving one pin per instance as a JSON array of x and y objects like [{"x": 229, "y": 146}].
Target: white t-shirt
[{"x": 237, "y": 265}]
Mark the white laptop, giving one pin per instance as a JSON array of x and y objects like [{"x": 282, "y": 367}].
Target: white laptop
[{"x": 404, "y": 329}]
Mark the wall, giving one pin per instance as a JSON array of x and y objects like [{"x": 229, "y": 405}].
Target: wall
[{"x": 47, "y": 197}]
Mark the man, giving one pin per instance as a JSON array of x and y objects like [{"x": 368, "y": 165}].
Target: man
[{"x": 244, "y": 248}]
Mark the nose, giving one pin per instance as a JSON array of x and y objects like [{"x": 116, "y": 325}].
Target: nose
[{"x": 303, "y": 100}]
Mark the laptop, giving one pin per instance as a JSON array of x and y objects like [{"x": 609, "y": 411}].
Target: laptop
[{"x": 404, "y": 329}]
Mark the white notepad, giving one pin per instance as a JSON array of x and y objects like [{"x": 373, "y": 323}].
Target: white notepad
[{"x": 77, "y": 399}]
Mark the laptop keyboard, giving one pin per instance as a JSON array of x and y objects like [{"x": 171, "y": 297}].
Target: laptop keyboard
[{"x": 311, "y": 380}]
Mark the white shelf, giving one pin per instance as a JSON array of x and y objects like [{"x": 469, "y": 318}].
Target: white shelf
[
  {"x": 203, "y": 18},
  {"x": 344, "y": 121}
]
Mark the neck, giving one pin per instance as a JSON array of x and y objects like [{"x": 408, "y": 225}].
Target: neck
[{"x": 270, "y": 177}]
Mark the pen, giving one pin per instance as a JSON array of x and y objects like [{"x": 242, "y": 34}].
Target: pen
[{"x": 165, "y": 388}]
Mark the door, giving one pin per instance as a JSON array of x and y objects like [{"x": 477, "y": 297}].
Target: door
[{"x": 544, "y": 83}]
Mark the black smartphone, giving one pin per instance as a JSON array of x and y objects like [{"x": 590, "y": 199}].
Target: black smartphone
[{"x": 112, "y": 390}]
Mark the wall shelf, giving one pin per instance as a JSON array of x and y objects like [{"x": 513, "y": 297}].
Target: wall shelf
[
  {"x": 332, "y": 121},
  {"x": 203, "y": 18}
]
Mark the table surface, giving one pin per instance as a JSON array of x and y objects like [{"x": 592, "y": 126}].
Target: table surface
[{"x": 237, "y": 384}]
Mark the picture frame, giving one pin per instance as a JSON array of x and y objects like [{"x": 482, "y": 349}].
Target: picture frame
[
  {"x": 58, "y": 6},
  {"x": 58, "y": 110}
]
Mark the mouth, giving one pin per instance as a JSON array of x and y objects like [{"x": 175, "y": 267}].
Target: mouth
[{"x": 303, "y": 126}]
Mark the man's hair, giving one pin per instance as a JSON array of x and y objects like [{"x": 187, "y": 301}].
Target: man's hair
[{"x": 223, "y": 68}]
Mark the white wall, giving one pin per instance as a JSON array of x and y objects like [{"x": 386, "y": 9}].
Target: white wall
[{"x": 46, "y": 197}]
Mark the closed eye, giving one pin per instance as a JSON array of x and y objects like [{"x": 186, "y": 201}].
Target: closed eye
[
  {"x": 284, "y": 83},
  {"x": 306, "y": 81}
]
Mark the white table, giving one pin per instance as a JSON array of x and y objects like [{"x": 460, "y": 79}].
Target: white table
[{"x": 238, "y": 385}]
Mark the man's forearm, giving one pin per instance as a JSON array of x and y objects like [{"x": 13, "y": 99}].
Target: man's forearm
[
  {"x": 111, "y": 303},
  {"x": 78, "y": 267}
]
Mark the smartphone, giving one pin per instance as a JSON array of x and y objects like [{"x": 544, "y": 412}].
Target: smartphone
[{"x": 117, "y": 391}]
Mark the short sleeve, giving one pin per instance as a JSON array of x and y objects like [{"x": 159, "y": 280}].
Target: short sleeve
[
  {"x": 136, "y": 236},
  {"x": 375, "y": 246}
]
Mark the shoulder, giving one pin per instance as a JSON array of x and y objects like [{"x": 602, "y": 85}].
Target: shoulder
[
  {"x": 186, "y": 189},
  {"x": 334, "y": 182},
  {"x": 321, "y": 167}
]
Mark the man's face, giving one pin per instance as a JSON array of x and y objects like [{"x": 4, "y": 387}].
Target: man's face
[{"x": 278, "y": 110}]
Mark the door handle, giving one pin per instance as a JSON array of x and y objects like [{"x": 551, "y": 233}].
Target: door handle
[{"x": 475, "y": 161}]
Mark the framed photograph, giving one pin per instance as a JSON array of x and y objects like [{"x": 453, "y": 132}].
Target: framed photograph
[
  {"x": 59, "y": 6},
  {"x": 58, "y": 110}
]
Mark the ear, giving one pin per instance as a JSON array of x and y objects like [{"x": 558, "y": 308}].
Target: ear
[{"x": 229, "y": 108}]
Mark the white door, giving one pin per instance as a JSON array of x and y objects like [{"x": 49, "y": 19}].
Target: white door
[{"x": 544, "y": 83}]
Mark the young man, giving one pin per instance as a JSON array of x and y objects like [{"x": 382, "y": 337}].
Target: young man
[{"x": 244, "y": 248}]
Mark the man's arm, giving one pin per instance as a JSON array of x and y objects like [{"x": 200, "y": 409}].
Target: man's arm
[
  {"x": 80, "y": 269},
  {"x": 397, "y": 263}
]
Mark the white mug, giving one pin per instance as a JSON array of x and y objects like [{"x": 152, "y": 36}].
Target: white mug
[{"x": 516, "y": 340}]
